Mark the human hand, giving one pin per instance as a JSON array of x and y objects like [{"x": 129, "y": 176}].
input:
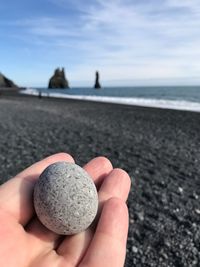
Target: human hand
[{"x": 25, "y": 242}]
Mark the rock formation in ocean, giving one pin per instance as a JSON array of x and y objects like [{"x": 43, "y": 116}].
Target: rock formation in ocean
[
  {"x": 97, "y": 84},
  {"x": 58, "y": 80},
  {"x": 6, "y": 83}
]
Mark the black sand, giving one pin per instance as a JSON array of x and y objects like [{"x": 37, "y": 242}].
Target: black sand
[{"x": 160, "y": 149}]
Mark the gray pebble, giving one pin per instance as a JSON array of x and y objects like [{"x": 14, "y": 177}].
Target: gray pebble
[
  {"x": 134, "y": 249},
  {"x": 65, "y": 198}
]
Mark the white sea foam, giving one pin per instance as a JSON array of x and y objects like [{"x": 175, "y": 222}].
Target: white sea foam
[{"x": 135, "y": 101}]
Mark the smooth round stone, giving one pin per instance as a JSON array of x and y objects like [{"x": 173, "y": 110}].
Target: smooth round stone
[{"x": 65, "y": 198}]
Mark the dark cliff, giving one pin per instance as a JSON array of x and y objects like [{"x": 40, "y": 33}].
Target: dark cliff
[{"x": 6, "y": 83}]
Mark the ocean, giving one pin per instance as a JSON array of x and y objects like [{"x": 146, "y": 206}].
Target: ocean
[{"x": 167, "y": 97}]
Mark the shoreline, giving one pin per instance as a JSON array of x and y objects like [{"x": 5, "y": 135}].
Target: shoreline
[
  {"x": 65, "y": 99},
  {"x": 183, "y": 105}
]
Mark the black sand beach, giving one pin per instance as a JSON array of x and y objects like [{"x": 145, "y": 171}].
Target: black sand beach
[{"x": 160, "y": 149}]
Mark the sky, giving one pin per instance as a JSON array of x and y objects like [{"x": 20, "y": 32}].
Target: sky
[{"x": 130, "y": 42}]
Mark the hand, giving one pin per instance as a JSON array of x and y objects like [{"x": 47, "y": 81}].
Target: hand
[{"x": 25, "y": 242}]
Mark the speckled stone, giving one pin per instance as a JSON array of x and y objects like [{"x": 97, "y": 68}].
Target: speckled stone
[{"x": 65, "y": 198}]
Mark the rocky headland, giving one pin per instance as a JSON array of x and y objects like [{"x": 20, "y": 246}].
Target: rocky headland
[{"x": 6, "y": 83}]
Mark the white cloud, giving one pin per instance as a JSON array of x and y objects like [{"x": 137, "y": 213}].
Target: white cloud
[{"x": 123, "y": 38}]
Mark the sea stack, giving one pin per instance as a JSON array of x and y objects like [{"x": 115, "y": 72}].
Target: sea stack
[
  {"x": 97, "y": 84},
  {"x": 58, "y": 80},
  {"x": 6, "y": 83}
]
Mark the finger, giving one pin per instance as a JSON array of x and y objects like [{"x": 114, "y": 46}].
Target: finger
[
  {"x": 16, "y": 194},
  {"x": 108, "y": 247},
  {"x": 98, "y": 168},
  {"x": 73, "y": 247},
  {"x": 116, "y": 184}
]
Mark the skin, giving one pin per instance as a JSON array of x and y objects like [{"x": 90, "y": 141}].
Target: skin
[{"x": 25, "y": 242}]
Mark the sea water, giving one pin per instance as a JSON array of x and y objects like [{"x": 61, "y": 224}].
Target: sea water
[{"x": 168, "y": 97}]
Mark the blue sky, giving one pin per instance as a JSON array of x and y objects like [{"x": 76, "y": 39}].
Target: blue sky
[{"x": 131, "y": 42}]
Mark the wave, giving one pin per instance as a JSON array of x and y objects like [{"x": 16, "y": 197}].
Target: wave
[{"x": 134, "y": 101}]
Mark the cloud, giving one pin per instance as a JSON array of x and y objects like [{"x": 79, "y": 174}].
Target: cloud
[
  {"x": 191, "y": 4},
  {"x": 128, "y": 39}
]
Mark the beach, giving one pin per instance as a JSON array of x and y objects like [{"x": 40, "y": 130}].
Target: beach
[{"x": 160, "y": 149}]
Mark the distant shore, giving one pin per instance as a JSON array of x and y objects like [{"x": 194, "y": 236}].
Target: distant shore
[{"x": 158, "y": 148}]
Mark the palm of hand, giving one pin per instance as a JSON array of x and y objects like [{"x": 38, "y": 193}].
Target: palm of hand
[{"x": 25, "y": 242}]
